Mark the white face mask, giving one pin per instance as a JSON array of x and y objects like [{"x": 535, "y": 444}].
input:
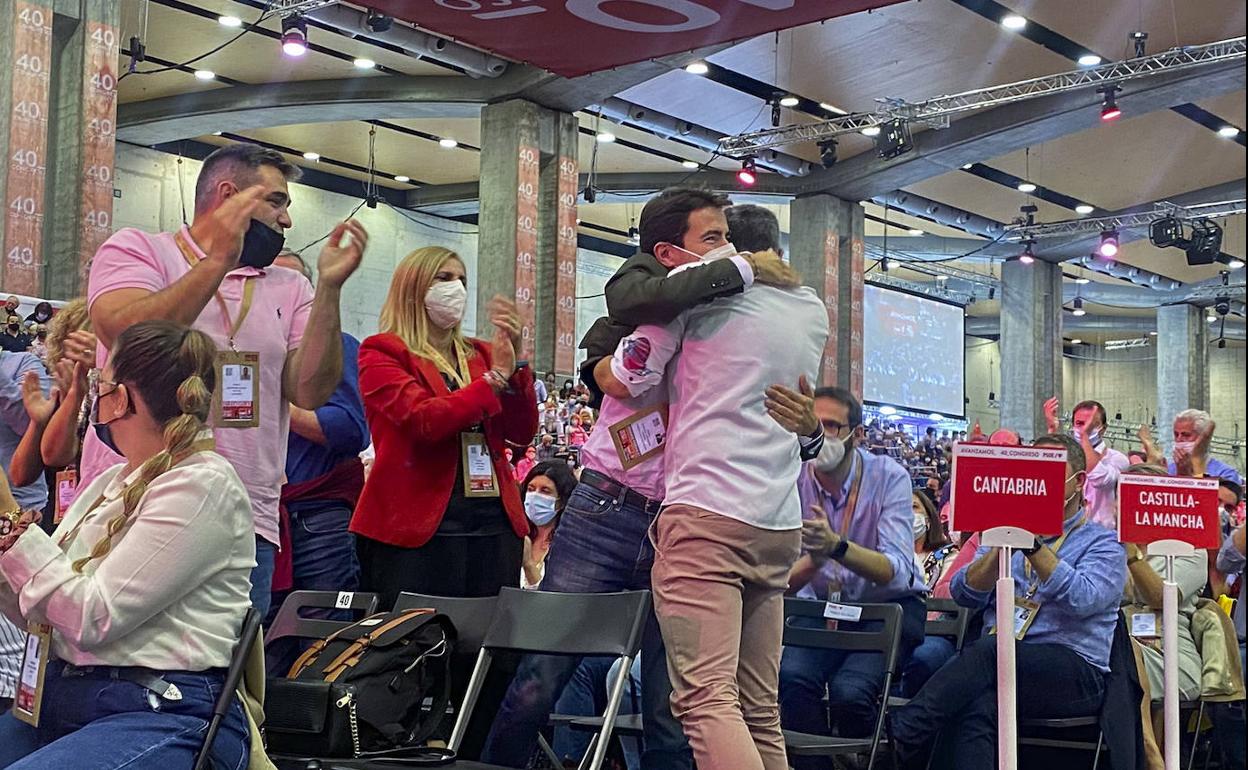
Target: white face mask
[
  {"x": 445, "y": 303},
  {"x": 920, "y": 525},
  {"x": 830, "y": 455},
  {"x": 1186, "y": 446},
  {"x": 721, "y": 252}
]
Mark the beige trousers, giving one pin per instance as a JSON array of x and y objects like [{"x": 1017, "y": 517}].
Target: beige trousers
[{"x": 719, "y": 595}]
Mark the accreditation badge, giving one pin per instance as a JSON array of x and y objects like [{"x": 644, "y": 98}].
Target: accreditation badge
[
  {"x": 29, "y": 698},
  {"x": 640, "y": 436},
  {"x": 479, "y": 477},
  {"x": 236, "y": 399}
]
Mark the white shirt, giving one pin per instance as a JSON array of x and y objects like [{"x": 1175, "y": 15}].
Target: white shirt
[
  {"x": 1100, "y": 491},
  {"x": 171, "y": 592},
  {"x": 724, "y": 453}
]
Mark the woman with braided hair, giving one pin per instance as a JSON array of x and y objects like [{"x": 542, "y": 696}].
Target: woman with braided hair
[{"x": 144, "y": 584}]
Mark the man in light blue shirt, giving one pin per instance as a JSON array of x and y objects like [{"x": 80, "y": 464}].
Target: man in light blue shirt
[
  {"x": 14, "y": 420},
  {"x": 1193, "y": 431},
  {"x": 1077, "y": 580},
  {"x": 858, "y": 547}
]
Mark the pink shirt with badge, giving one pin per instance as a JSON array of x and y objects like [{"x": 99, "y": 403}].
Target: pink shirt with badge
[{"x": 132, "y": 259}]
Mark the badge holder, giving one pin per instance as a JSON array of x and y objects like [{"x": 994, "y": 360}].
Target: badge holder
[
  {"x": 641, "y": 436},
  {"x": 236, "y": 399},
  {"x": 479, "y": 477},
  {"x": 28, "y": 701},
  {"x": 66, "y": 486}
]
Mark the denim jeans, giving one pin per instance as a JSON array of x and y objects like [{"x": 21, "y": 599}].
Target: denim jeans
[
  {"x": 599, "y": 547},
  {"x": 322, "y": 559},
  {"x": 262, "y": 576},
  {"x": 852, "y": 681},
  {"x": 586, "y": 694},
  {"x": 959, "y": 702},
  {"x": 93, "y": 722},
  {"x": 927, "y": 658}
]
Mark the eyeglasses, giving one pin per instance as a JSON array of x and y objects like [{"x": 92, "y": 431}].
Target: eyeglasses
[{"x": 835, "y": 427}]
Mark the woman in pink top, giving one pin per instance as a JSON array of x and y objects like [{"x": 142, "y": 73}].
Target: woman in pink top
[{"x": 576, "y": 434}]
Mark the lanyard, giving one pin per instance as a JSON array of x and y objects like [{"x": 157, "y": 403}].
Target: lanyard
[
  {"x": 249, "y": 291},
  {"x": 460, "y": 376},
  {"x": 1057, "y": 547},
  {"x": 204, "y": 445},
  {"x": 851, "y": 502}
]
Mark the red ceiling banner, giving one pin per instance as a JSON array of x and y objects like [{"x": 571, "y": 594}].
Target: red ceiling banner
[{"x": 577, "y": 37}]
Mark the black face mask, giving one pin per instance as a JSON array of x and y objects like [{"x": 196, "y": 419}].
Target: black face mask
[
  {"x": 15, "y": 327},
  {"x": 261, "y": 245}
]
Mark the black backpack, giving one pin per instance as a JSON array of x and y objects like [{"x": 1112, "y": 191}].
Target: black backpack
[{"x": 362, "y": 689}]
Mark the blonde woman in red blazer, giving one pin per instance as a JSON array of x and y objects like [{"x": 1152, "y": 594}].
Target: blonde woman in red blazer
[{"x": 434, "y": 399}]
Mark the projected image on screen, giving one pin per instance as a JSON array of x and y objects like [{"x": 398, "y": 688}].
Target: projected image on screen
[{"x": 913, "y": 352}]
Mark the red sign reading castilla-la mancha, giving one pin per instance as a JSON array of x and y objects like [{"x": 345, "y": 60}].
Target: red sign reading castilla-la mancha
[
  {"x": 1008, "y": 486},
  {"x": 1152, "y": 508}
]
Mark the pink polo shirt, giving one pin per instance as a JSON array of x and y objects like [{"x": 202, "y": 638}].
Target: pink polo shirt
[{"x": 132, "y": 259}]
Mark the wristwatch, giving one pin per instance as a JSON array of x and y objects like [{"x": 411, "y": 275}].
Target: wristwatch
[
  {"x": 1036, "y": 546},
  {"x": 9, "y": 520},
  {"x": 838, "y": 551}
]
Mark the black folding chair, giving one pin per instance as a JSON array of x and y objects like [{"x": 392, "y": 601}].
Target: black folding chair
[
  {"x": 946, "y": 618},
  {"x": 290, "y": 621},
  {"x": 238, "y": 662},
  {"x": 886, "y": 641}
]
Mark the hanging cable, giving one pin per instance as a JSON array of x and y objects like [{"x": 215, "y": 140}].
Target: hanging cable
[{"x": 264, "y": 14}]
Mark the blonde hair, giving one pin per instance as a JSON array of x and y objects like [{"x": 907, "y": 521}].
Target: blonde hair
[
  {"x": 403, "y": 313},
  {"x": 170, "y": 367},
  {"x": 72, "y": 317}
]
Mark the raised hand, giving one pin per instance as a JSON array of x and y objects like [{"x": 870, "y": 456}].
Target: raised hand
[
  {"x": 794, "y": 410},
  {"x": 770, "y": 269},
  {"x": 340, "y": 259},
  {"x": 80, "y": 347},
  {"x": 39, "y": 407},
  {"x": 503, "y": 314},
  {"x": 220, "y": 233},
  {"x": 1050, "y": 414}
]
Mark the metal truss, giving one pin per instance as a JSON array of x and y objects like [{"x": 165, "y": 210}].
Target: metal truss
[
  {"x": 937, "y": 111},
  {"x": 931, "y": 267},
  {"x": 1135, "y": 342},
  {"x": 1142, "y": 219},
  {"x": 288, "y": 7},
  {"x": 915, "y": 287}
]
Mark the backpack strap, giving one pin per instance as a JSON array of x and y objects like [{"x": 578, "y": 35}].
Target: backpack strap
[
  {"x": 437, "y": 711},
  {"x": 350, "y": 655},
  {"x": 304, "y": 660}
]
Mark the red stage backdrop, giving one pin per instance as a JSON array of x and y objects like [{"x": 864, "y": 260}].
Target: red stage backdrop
[{"x": 577, "y": 37}]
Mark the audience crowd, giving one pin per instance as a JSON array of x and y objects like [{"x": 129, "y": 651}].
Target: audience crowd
[{"x": 197, "y": 435}]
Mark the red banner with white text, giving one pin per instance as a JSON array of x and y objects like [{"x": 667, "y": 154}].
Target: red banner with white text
[
  {"x": 1000, "y": 486},
  {"x": 1152, "y": 508}
]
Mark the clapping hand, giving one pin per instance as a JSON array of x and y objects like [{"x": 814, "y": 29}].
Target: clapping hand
[
  {"x": 39, "y": 407},
  {"x": 340, "y": 258},
  {"x": 794, "y": 410}
]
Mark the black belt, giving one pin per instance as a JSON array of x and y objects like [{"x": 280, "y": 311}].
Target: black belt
[
  {"x": 144, "y": 677},
  {"x": 619, "y": 492}
]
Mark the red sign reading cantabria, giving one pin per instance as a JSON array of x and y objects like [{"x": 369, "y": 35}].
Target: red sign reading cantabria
[
  {"x": 1152, "y": 508},
  {"x": 1008, "y": 486},
  {"x": 577, "y": 37}
]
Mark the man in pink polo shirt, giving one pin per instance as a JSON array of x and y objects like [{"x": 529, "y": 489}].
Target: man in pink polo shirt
[{"x": 279, "y": 341}]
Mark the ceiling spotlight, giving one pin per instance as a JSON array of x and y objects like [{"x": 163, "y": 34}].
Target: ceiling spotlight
[
  {"x": 402, "y": 178},
  {"x": 827, "y": 153},
  {"x": 448, "y": 143},
  {"x": 294, "y": 35},
  {"x": 697, "y": 68},
  {"x": 1109, "y": 103},
  {"x": 1026, "y": 187},
  {"x": 1206, "y": 242},
  {"x": 1083, "y": 281},
  {"x": 832, "y": 108},
  {"x": 230, "y": 21},
  {"x": 1109, "y": 244},
  {"x": 789, "y": 101},
  {"x": 1211, "y": 318},
  {"x": 1235, "y": 264},
  {"x": 1084, "y": 208},
  {"x": 205, "y": 74},
  {"x": 216, "y": 133},
  {"x": 1228, "y": 132},
  {"x": 1028, "y": 256},
  {"x": 362, "y": 63},
  {"x": 967, "y": 166},
  {"x": 871, "y": 131},
  {"x": 605, "y": 137},
  {"x": 748, "y": 174},
  {"x": 1167, "y": 231},
  {"x": 942, "y": 278},
  {"x": 634, "y": 235},
  {"x": 1089, "y": 60},
  {"x": 1013, "y": 21},
  {"x": 915, "y": 231},
  {"x": 894, "y": 139},
  {"x": 379, "y": 22},
  {"x": 1153, "y": 333},
  {"x": 1076, "y": 341},
  {"x": 1077, "y": 307},
  {"x": 311, "y": 156},
  {"x": 689, "y": 164}
]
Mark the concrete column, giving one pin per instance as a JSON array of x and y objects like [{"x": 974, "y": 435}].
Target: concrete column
[
  {"x": 1031, "y": 343},
  {"x": 826, "y": 241},
  {"x": 524, "y": 196},
  {"x": 1182, "y": 364}
]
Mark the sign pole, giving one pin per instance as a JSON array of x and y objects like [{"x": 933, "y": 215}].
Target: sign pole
[
  {"x": 1007, "y": 701},
  {"x": 1170, "y": 657}
]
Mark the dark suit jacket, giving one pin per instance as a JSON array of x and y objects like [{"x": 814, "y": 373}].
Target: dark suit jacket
[{"x": 641, "y": 292}]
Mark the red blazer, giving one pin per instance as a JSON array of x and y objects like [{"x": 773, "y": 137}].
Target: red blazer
[{"x": 415, "y": 422}]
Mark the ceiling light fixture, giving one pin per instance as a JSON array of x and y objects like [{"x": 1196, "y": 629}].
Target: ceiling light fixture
[
  {"x": 294, "y": 35},
  {"x": 1027, "y": 257},
  {"x": 1235, "y": 264},
  {"x": 748, "y": 174},
  {"x": 1026, "y": 187},
  {"x": 690, "y": 164},
  {"x": 605, "y": 137},
  {"x": 827, "y": 153},
  {"x": 1228, "y": 132},
  {"x": 402, "y": 178},
  {"x": 697, "y": 68},
  {"x": 832, "y": 108},
  {"x": 789, "y": 101},
  {"x": 311, "y": 156},
  {"x": 1089, "y": 60},
  {"x": 363, "y": 63},
  {"x": 230, "y": 21},
  {"x": 1109, "y": 244},
  {"x": 1084, "y": 208},
  {"x": 871, "y": 131},
  {"x": 1076, "y": 341},
  {"x": 1109, "y": 103},
  {"x": 205, "y": 75},
  {"x": 1077, "y": 307},
  {"x": 1083, "y": 281},
  {"x": 942, "y": 278},
  {"x": 1013, "y": 21},
  {"x": 915, "y": 231},
  {"x": 448, "y": 143},
  {"x": 967, "y": 166}
]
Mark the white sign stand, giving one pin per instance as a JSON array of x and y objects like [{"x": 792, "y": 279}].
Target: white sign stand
[
  {"x": 1007, "y": 539},
  {"x": 1170, "y": 643}
]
